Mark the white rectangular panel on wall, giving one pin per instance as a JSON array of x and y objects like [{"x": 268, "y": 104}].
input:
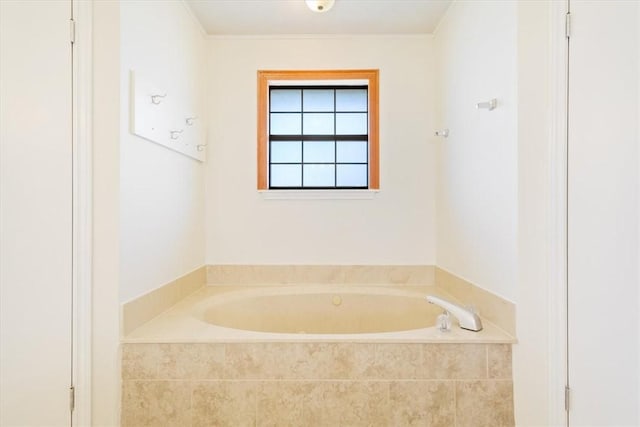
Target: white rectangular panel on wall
[{"x": 158, "y": 115}]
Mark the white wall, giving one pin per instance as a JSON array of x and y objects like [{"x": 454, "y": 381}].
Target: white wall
[
  {"x": 493, "y": 223},
  {"x": 477, "y": 165},
  {"x": 161, "y": 191},
  {"x": 531, "y": 353},
  {"x": 396, "y": 227}
]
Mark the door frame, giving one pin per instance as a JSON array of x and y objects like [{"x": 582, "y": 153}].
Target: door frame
[
  {"x": 557, "y": 281},
  {"x": 82, "y": 218}
]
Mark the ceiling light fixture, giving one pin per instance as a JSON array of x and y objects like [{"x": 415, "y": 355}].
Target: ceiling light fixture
[{"x": 320, "y": 5}]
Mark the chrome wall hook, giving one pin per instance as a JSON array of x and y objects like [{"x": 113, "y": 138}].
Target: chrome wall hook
[
  {"x": 175, "y": 134},
  {"x": 157, "y": 99},
  {"x": 190, "y": 121},
  {"x": 489, "y": 105},
  {"x": 200, "y": 147},
  {"x": 443, "y": 133}
]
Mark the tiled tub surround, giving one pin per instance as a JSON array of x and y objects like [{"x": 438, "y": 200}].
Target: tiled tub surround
[
  {"x": 180, "y": 370},
  {"x": 330, "y": 274},
  {"x": 316, "y": 384},
  {"x": 493, "y": 308},
  {"x": 187, "y": 320},
  {"x": 144, "y": 308}
]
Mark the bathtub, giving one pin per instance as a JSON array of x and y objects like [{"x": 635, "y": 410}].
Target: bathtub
[
  {"x": 314, "y": 355},
  {"x": 320, "y": 310},
  {"x": 309, "y": 313}
]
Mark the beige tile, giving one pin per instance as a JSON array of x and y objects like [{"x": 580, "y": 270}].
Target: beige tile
[
  {"x": 191, "y": 361},
  {"x": 362, "y": 359},
  {"x": 347, "y": 403},
  {"x": 499, "y": 361},
  {"x": 486, "y": 403},
  {"x": 280, "y": 403},
  {"x": 422, "y": 403},
  {"x": 140, "y": 361},
  {"x": 329, "y": 274},
  {"x": 452, "y": 284},
  {"x": 246, "y": 361},
  {"x": 454, "y": 361},
  {"x": 224, "y": 403},
  {"x": 391, "y": 361},
  {"x": 299, "y": 361},
  {"x": 335, "y": 360},
  {"x": 490, "y": 306},
  {"x": 266, "y": 361},
  {"x": 495, "y": 309},
  {"x": 353, "y": 361},
  {"x": 156, "y": 403},
  {"x": 137, "y": 312},
  {"x": 390, "y": 274},
  {"x": 249, "y": 274}
]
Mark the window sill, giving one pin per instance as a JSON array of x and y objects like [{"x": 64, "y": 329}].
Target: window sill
[{"x": 318, "y": 194}]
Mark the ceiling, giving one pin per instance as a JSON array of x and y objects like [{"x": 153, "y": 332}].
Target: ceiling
[{"x": 272, "y": 17}]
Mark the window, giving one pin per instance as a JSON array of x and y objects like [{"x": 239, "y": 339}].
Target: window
[{"x": 318, "y": 129}]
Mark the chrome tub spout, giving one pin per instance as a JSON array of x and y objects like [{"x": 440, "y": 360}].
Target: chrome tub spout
[{"x": 466, "y": 318}]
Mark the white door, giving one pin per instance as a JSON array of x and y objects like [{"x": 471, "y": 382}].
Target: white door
[
  {"x": 603, "y": 213},
  {"x": 35, "y": 213}
]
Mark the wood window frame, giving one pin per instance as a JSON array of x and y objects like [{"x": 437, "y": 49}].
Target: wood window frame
[{"x": 266, "y": 76}]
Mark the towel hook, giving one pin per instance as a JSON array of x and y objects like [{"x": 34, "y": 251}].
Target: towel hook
[
  {"x": 175, "y": 134},
  {"x": 489, "y": 105},
  {"x": 157, "y": 99},
  {"x": 443, "y": 133}
]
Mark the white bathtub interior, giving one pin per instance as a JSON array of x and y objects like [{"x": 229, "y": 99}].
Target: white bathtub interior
[{"x": 309, "y": 313}]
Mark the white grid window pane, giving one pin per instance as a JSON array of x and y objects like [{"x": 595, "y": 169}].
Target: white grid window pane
[
  {"x": 285, "y": 124},
  {"x": 319, "y": 175},
  {"x": 351, "y": 100},
  {"x": 285, "y": 176},
  {"x": 351, "y": 124},
  {"x": 319, "y": 151},
  {"x": 318, "y": 124},
  {"x": 352, "y": 152},
  {"x": 318, "y": 100},
  {"x": 286, "y": 151},
  {"x": 285, "y": 100},
  {"x": 351, "y": 176}
]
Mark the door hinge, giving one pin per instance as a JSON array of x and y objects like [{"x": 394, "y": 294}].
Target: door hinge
[
  {"x": 72, "y": 398},
  {"x": 567, "y": 25},
  {"x": 567, "y": 398},
  {"x": 72, "y": 33}
]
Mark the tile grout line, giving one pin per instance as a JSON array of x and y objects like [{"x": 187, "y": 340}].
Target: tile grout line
[
  {"x": 455, "y": 403},
  {"x": 255, "y": 402},
  {"x": 191, "y": 391},
  {"x": 486, "y": 360}
]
